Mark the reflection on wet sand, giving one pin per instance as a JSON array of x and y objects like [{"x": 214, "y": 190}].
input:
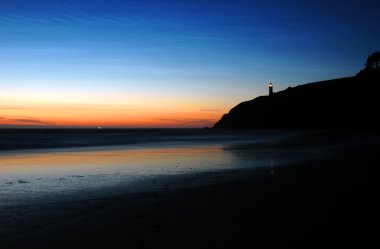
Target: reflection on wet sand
[
  {"x": 116, "y": 160},
  {"x": 33, "y": 175}
]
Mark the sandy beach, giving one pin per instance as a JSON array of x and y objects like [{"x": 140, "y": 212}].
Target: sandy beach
[{"x": 327, "y": 200}]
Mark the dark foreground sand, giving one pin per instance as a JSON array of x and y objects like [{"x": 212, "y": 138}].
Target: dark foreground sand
[{"x": 313, "y": 204}]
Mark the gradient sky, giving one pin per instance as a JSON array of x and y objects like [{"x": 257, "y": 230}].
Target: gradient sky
[{"x": 173, "y": 63}]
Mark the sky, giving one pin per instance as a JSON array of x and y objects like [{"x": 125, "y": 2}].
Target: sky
[{"x": 169, "y": 63}]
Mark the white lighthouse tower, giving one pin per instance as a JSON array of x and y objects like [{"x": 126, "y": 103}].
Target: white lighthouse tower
[{"x": 270, "y": 89}]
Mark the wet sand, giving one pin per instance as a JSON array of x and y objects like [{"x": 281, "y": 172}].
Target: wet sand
[{"x": 314, "y": 203}]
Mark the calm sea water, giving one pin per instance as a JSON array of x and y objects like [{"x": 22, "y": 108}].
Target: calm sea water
[{"x": 56, "y": 164}]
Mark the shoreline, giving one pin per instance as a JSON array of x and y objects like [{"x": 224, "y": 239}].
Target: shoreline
[
  {"x": 309, "y": 203},
  {"x": 35, "y": 140}
]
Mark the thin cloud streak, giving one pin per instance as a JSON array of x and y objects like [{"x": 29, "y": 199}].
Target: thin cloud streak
[
  {"x": 187, "y": 122},
  {"x": 211, "y": 110},
  {"x": 23, "y": 121}
]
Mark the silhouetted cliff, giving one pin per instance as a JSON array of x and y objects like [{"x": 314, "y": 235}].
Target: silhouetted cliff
[{"x": 351, "y": 102}]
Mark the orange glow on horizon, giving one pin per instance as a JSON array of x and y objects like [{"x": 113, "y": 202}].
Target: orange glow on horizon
[
  {"x": 50, "y": 107},
  {"x": 160, "y": 114}
]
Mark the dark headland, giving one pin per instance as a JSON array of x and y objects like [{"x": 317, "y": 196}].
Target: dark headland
[{"x": 351, "y": 102}]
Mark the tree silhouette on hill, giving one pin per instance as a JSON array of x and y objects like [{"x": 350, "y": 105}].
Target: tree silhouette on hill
[{"x": 373, "y": 61}]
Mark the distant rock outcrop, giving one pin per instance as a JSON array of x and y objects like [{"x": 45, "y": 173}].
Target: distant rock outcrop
[{"x": 351, "y": 102}]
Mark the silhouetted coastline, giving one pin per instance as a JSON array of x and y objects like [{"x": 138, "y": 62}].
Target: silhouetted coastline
[
  {"x": 295, "y": 169},
  {"x": 346, "y": 103}
]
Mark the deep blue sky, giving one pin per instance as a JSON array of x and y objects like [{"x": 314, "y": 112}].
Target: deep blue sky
[{"x": 213, "y": 53}]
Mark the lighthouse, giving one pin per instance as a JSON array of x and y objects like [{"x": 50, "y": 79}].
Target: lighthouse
[{"x": 270, "y": 89}]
